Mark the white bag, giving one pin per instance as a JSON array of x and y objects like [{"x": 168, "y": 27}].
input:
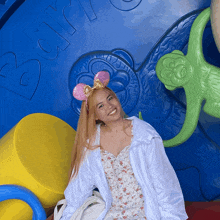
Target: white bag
[{"x": 91, "y": 208}]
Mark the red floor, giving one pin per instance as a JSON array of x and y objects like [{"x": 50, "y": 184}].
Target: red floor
[
  {"x": 197, "y": 211},
  {"x": 203, "y": 210}
]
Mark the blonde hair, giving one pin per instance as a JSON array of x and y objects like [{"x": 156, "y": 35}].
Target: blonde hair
[{"x": 86, "y": 129}]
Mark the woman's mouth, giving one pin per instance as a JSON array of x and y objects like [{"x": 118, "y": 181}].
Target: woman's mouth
[{"x": 113, "y": 112}]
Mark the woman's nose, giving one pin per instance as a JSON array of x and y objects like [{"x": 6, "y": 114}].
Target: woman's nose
[{"x": 109, "y": 106}]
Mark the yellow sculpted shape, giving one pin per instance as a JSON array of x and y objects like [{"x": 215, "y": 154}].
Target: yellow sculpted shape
[{"x": 35, "y": 154}]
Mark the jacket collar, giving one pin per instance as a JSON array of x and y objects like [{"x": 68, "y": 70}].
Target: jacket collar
[{"x": 142, "y": 131}]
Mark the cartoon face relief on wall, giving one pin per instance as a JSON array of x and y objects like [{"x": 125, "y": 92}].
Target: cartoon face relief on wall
[
  {"x": 118, "y": 64},
  {"x": 176, "y": 70},
  {"x": 199, "y": 79}
]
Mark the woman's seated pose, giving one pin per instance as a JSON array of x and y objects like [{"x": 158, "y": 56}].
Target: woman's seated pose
[{"x": 123, "y": 157}]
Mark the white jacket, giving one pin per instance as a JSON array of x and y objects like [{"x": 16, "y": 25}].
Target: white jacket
[{"x": 161, "y": 189}]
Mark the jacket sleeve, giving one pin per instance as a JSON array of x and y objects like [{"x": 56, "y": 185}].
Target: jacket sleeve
[
  {"x": 166, "y": 184},
  {"x": 78, "y": 190}
]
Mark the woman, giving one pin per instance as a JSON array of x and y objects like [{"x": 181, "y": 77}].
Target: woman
[{"x": 123, "y": 157}]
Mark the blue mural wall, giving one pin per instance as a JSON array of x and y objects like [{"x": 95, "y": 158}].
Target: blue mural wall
[{"x": 47, "y": 47}]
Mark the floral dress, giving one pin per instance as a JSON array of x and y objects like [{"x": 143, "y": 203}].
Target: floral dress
[{"x": 128, "y": 201}]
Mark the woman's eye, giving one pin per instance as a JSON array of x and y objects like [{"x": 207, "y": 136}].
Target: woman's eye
[
  {"x": 100, "y": 106},
  {"x": 110, "y": 98}
]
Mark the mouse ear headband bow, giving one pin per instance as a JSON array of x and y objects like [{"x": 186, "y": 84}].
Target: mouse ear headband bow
[{"x": 83, "y": 91}]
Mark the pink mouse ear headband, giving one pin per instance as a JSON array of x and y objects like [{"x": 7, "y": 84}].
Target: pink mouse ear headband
[{"x": 83, "y": 91}]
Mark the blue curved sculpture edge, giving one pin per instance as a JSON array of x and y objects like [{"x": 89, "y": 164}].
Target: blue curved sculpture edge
[
  {"x": 11, "y": 191},
  {"x": 9, "y": 8}
]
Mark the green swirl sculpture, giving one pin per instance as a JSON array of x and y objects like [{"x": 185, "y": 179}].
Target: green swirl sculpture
[{"x": 199, "y": 79}]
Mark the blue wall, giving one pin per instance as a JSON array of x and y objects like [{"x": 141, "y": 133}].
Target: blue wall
[{"x": 47, "y": 47}]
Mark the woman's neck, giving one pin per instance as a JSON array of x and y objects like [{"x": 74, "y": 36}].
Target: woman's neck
[{"x": 116, "y": 126}]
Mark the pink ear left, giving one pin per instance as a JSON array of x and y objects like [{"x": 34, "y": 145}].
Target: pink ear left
[
  {"x": 78, "y": 92},
  {"x": 103, "y": 76}
]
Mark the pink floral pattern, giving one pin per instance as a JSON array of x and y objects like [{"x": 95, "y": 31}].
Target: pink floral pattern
[{"x": 128, "y": 201}]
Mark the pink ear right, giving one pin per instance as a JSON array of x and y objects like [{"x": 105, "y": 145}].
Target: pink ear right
[
  {"x": 78, "y": 92},
  {"x": 103, "y": 76}
]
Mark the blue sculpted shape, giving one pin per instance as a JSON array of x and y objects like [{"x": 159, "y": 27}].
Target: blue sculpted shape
[
  {"x": 23, "y": 79},
  {"x": 48, "y": 32},
  {"x": 124, "y": 5},
  {"x": 47, "y": 48},
  {"x": 18, "y": 192},
  {"x": 87, "y": 7},
  {"x": 125, "y": 56},
  {"x": 2, "y": 2},
  {"x": 7, "y": 8},
  {"x": 123, "y": 79},
  {"x": 57, "y": 12}
]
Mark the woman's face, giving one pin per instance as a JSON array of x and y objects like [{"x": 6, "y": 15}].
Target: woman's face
[{"x": 107, "y": 106}]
